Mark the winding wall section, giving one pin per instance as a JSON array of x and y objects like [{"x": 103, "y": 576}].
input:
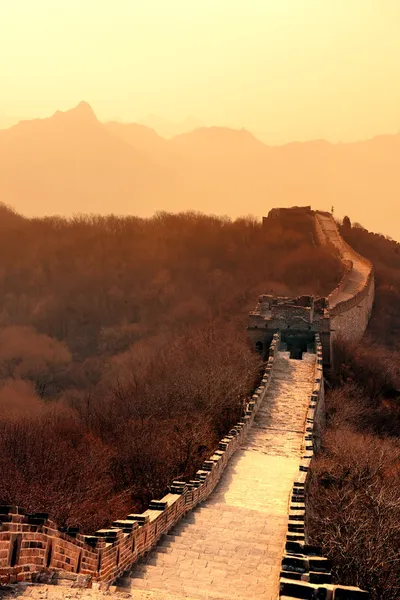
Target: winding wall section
[{"x": 350, "y": 303}]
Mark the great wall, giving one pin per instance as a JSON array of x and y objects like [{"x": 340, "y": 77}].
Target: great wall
[{"x": 238, "y": 529}]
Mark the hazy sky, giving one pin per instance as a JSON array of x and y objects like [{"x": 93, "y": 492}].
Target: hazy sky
[{"x": 285, "y": 69}]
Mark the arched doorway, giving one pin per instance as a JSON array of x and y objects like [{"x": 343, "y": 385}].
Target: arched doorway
[
  {"x": 259, "y": 347},
  {"x": 49, "y": 554},
  {"x": 79, "y": 562},
  {"x": 15, "y": 550}
]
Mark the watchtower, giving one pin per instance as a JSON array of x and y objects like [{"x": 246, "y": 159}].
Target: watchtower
[{"x": 297, "y": 319}]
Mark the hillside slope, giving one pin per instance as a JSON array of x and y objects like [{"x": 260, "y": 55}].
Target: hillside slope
[{"x": 71, "y": 163}]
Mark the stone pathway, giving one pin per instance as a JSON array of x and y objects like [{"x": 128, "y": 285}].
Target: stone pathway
[
  {"x": 23, "y": 591},
  {"x": 357, "y": 277},
  {"x": 231, "y": 545}
]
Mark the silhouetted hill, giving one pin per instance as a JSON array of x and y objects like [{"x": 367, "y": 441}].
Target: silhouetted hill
[
  {"x": 219, "y": 142},
  {"x": 73, "y": 162},
  {"x": 138, "y": 135},
  {"x": 70, "y": 163},
  {"x": 168, "y": 128}
]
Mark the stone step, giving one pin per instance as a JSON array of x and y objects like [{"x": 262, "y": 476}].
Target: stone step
[
  {"x": 245, "y": 576},
  {"x": 228, "y": 527},
  {"x": 227, "y": 591}
]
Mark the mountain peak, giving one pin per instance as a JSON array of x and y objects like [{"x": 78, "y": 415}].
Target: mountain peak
[{"x": 83, "y": 112}]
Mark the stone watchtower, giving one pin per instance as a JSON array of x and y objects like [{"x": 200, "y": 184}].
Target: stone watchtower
[{"x": 297, "y": 320}]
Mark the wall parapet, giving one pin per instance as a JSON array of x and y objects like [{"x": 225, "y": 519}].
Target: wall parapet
[
  {"x": 328, "y": 234},
  {"x": 305, "y": 572},
  {"x": 33, "y": 548},
  {"x": 355, "y": 300},
  {"x": 350, "y": 303}
]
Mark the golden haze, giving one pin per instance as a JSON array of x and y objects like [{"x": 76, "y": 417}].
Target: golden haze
[
  {"x": 285, "y": 70},
  {"x": 72, "y": 162}
]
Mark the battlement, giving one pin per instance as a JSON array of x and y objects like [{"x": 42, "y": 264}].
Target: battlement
[
  {"x": 293, "y": 310},
  {"x": 293, "y": 212}
]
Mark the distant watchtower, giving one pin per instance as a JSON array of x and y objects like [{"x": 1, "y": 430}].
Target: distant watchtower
[{"x": 295, "y": 214}]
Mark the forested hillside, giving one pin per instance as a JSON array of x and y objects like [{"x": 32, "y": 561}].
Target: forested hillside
[
  {"x": 123, "y": 351},
  {"x": 355, "y": 487}
]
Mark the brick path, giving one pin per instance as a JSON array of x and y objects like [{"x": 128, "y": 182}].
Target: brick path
[{"x": 231, "y": 545}]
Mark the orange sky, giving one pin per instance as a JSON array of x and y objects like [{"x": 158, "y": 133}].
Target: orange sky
[{"x": 284, "y": 69}]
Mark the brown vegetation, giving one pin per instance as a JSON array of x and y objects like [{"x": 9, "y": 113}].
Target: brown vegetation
[
  {"x": 123, "y": 352},
  {"x": 354, "y": 492}
]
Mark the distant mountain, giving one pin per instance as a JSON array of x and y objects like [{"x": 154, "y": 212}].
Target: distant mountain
[
  {"x": 8, "y": 121},
  {"x": 138, "y": 135},
  {"x": 168, "y": 128},
  {"x": 71, "y": 162},
  {"x": 219, "y": 142}
]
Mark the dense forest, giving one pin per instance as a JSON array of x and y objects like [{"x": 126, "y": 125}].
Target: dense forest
[
  {"x": 123, "y": 351},
  {"x": 354, "y": 493}
]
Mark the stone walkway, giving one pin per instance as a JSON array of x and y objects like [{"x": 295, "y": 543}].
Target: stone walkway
[
  {"x": 357, "y": 277},
  {"x": 23, "y": 591},
  {"x": 231, "y": 545}
]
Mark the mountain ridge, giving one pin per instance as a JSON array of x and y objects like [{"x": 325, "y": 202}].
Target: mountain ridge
[{"x": 72, "y": 162}]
